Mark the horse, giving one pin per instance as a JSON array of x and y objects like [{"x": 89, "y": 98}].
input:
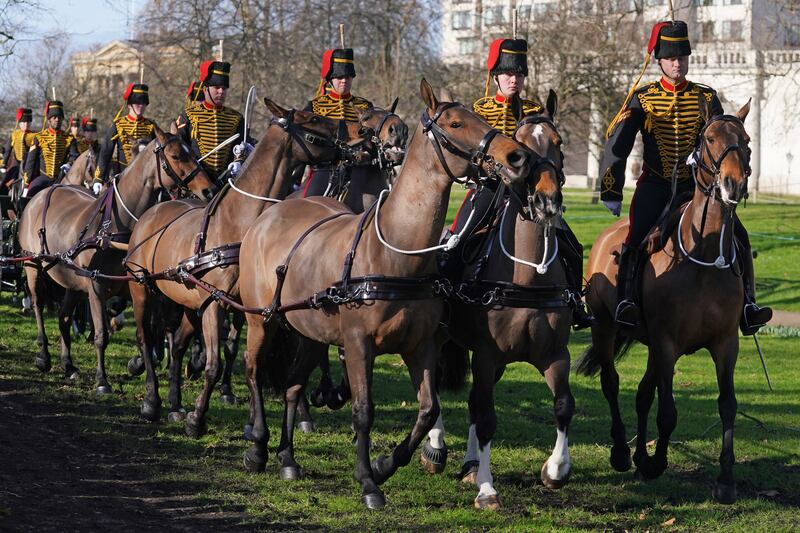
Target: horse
[
  {"x": 506, "y": 309},
  {"x": 392, "y": 306},
  {"x": 691, "y": 298},
  {"x": 81, "y": 172},
  {"x": 168, "y": 234},
  {"x": 77, "y": 239}
]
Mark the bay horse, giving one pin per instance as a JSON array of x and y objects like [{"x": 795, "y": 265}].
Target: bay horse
[
  {"x": 81, "y": 173},
  {"x": 168, "y": 234},
  {"x": 508, "y": 309},
  {"x": 393, "y": 262},
  {"x": 691, "y": 298},
  {"x": 89, "y": 233}
]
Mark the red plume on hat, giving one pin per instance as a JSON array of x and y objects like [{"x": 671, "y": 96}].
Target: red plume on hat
[
  {"x": 327, "y": 63},
  {"x": 128, "y": 91},
  {"x": 494, "y": 53},
  {"x": 84, "y": 120},
  {"x": 205, "y": 68},
  {"x": 20, "y": 113},
  {"x": 651, "y": 45}
]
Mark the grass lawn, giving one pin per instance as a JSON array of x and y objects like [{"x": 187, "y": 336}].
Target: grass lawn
[{"x": 767, "y": 438}]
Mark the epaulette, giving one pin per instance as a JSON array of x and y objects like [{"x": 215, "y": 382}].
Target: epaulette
[
  {"x": 361, "y": 103},
  {"x": 531, "y": 106}
]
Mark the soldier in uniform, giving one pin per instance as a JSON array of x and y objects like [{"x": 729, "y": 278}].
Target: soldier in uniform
[
  {"x": 333, "y": 100},
  {"x": 206, "y": 125},
  {"x": 666, "y": 114},
  {"x": 50, "y": 153},
  {"x": 18, "y": 145},
  {"x": 80, "y": 144},
  {"x": 124, "y": 135},
  {"x": 508, "y": 67}
]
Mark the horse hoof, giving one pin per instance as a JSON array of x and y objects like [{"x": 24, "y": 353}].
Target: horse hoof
[
  {"x": 71, "y": 372},
  {"x": 248, "y": 432},
  {"x": 291, "y": 473},
  {"x": 195, "y": 426},
  {"x": 469, "y": 472},
  {"x": 317, "y": 398},
  {"x": 151, "y": 411},
  {"x": 136, "y": 366},
  {"x": 336, "y": 401},
  {"x": 373, "y": 500},
  {"x": 229, "y": 399},
  {"x": 306, "y": 426},
  {"x": 553, "y": 484},
  {"x": 379, "y": 473},
  {"x": 43, "y": 364},
  {"x": 102, "y": 390},
  {"x": 621, "y": 458},
  {"x": 177, "y": 416},
  {"x": 490, "y": 502},
  {"x": 254, "y": 461},
  {"x": 724, "y": 493},
  {"x": 433, "y": 460}
]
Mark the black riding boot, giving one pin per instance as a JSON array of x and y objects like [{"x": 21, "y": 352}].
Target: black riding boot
[
  {"x": 753, "y": 316},
  {"x": 627, "y": 313},
  {"x": 572, "y": 253}
]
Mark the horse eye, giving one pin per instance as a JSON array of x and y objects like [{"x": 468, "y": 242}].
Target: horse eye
[
  {"x": 367, "y": 117},
  {"x": 455, "y": 124},
  {"x": 710, "y": 140}
]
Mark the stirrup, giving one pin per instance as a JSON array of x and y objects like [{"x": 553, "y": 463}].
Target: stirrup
[
  {"x": 754, "y": 318},
  {"x": 627, "y": 314},
  {"x": 581, "y": 319}
]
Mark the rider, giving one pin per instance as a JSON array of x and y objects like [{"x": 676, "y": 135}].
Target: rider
[
  {"x": 206, "y": 125},
  {"x": 76, "y": 134},
  {"x": 50, "y": 152},
  {"x": 508, "y": 66},
  {"x": 125, "y": 133},
  {"x": 666, "y": 114},
  {"x": 18, "y": 145},
  {"x": 333, "y": 100}
]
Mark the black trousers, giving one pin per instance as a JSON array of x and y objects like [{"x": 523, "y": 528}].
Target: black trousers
[{"x": 39, "y": 184}]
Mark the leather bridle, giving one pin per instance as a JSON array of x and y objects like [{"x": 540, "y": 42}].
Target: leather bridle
[
  {"x": 304, "y": 137},
  {"x": 714, "y": 169},
  {"x": 542, "y": 161},
  {"x": 162, "y": 164}
]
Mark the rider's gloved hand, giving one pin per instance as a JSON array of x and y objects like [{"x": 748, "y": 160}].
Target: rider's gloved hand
[
  {"x": 96, "y": 187},
  {"x": 242, "y": 150},
  {"x": 65, "y": 167},
  {"x": 25, "y": 192},
  {"x": 234, "y": 168},
  {"x": 615, "y": 206}
]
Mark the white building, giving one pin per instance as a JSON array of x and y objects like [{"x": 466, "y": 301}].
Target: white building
[{"x": 743, "y": 48}]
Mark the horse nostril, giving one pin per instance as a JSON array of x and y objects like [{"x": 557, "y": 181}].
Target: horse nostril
[
  {"x": 539, "y": 201},
  {"x": 517, "y": 159}
]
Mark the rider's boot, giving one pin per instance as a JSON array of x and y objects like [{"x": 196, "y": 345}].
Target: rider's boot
[
  {"x": 753, "y": 316},
  {"x": 627, "y": 313},
  {"x": 572, "y": 252}
]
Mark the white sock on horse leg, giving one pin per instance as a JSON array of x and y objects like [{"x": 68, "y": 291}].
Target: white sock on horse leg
[
  {"x": 558, "y": 465},
  {"x": 484, "y": 478},
  {"x": 436, "y": 435},
  {"x": 472, "y": 445}
]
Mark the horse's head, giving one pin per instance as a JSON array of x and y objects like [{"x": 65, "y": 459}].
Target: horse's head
[
  {"x": 538, "y": 132},
  {"x": 723, "y": 154},
  {"x": 316, "y": 139},
  {"x": 466, "y": 145},
  {"x": 387, "y": 132},
  {"x": 179, "y": 169}
]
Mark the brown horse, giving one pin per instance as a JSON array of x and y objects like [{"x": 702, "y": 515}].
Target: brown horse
[
  {"x": 508, "y": 309},
  {"x": 81, "y": 173},
  {"x": 60, "y": 217},
  {"x": 691, "y": 299},
  {"x": 168, "y": 234},
  {"x": 449, "y": 142}
]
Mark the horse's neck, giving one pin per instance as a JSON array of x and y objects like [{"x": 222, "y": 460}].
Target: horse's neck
[
  {"x": 268, "y": 174},
  {"x": 701, "y": 237},
  {"x": 135, "y": 187},
  {"x": 413, "y": 215},
  {"x": 529, "y": 245}
]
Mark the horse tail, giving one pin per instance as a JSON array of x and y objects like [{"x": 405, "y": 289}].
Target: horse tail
[
  {"x": 591, "y": 360},
  {"x": 453, "y": 366}
]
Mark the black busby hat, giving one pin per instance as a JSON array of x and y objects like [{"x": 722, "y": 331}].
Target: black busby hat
[
  {"x": 215, "y": 74},
  {"x": 54, "y": 108},
  {"x": 136, "y": 93},
  {"x": 74, "y": 122},
  {"x": 669, "y": 39},
  {"x": 24, "y": 114},
  {"x": 89, "y": 124},
  {"x": 508, "y": 56},
  {"x": 338, "y": 63}
]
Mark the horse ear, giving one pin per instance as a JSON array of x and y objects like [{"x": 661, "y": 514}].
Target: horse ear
[
  {"x": 444, "y": 95},
  {"x": 394, "y": 105},
  {"x": 276, "y": 110},
  {"x": 160, "y": 135},
  {"x": 426, "y": 93},
  {"x": 552, "y": 103},
  {"x": 702, "y": 105},
  {"x": 173, "y": 127},
  {"x": 742, "y": 113}
]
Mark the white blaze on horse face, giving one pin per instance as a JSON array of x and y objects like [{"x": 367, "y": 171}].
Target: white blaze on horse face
[
  {"x": 472, "y": 445},
  {"x": 484, "y": 477},
  {"x": 436, "y": 435},
  {"x": 559, "y": 465}
]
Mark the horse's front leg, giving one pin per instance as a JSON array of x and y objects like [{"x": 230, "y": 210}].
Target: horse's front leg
[
  {"x": 434, "y": 453},
  {"x": 36, "y": 284},
  {"x": 97, "y": 305},
  {"x": 71, "y": 299},
  {"x": 231, "y": 348},
  {"x": 151, "y": 405},
  {"x": 556, "y": 470},
  {"x": 421, "y": 366},
  {"x": 178, "y": 346},
  {"x": 196, "y": 424},
  {"x": 725, "y": 356},
  {"x": 483, "y": 424},
  {"x": 662, "y": 358},
  {"x": 258, "y": 337}
]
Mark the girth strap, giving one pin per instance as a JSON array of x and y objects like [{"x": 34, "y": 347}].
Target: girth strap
[
  {"x": 505, "y": 294},
  {"x": 218, "y": 257}
]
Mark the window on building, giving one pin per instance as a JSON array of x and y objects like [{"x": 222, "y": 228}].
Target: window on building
[
  {"x": 623, "y": 6},
  {"x": 731, "y": 2},
  {"x": 524, "y": 12},
  {"x": 494, "y": 15},
  {"x": 466, "y": 46},
  {"x": 706, "y": 33},
  {"x": 581, "y": 7},
  {"x": 793, "y": 35},
  {"x": 701, "y": 3},
  {"x": 542, "y": 9},
  {"x": 732, "y": 30},
  {"x": 462, "y": 20},
  {"x": 656, "y": 2}
]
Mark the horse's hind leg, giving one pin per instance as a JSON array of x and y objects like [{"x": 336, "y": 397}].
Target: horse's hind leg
[
  {"x": 68, "y": 304},
  {"x": 255, "y": 458},
  {"x": 725, "y": 361},
  {"x": 36, "y": 284},
  {"x": 97, "y": 305},
  {"x": 603, "y": 342},
  {"x": 151, "y": 404},
  {"x": 196, "y": 420},
  {"x": 180, "y": 342},
  {"x": 556, "y": 470},
  {"x": 231, "y": 348}
]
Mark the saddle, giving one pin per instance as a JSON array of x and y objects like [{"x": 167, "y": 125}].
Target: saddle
[{"x": 656, "y": 239}]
